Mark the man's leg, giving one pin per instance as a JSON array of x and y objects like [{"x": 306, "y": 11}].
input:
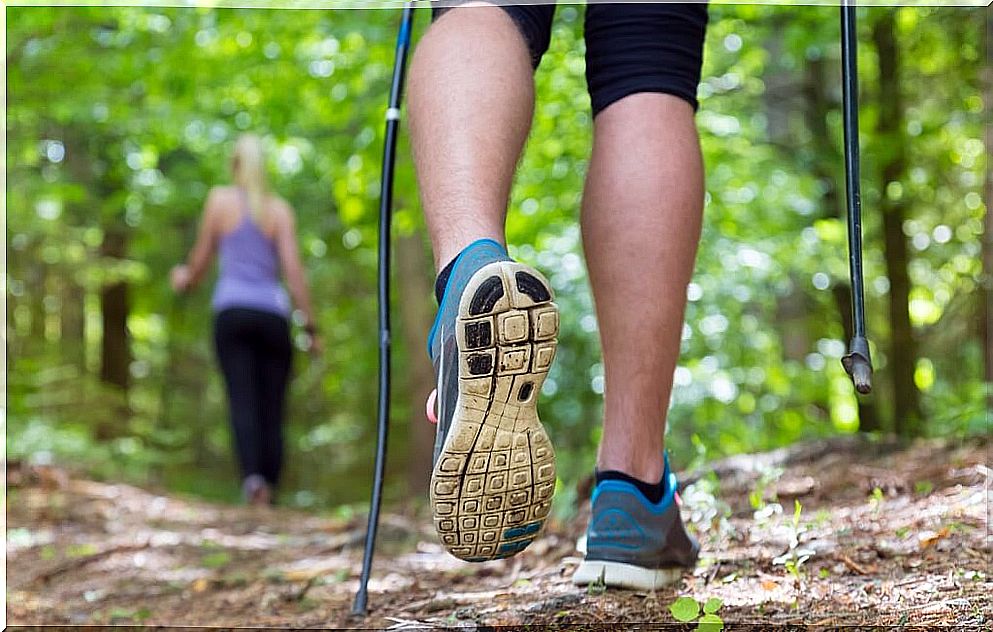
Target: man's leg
[
  {"x": 641, "y": 223},
  {"x": 471, "y": 101},
  {"x": 642, "y": 210},
  {"x": 493, "y": 340}
]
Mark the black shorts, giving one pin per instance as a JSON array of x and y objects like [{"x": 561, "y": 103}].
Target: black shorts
[{"x": 630, "y": 47}]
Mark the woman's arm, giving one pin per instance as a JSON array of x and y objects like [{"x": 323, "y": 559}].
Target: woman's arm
[
  {"x": 185, "y": 277},
  {"x": 289, "y": 260}
]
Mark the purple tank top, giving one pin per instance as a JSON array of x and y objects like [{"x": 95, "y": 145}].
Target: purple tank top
[{"x": 249, "y": 270}]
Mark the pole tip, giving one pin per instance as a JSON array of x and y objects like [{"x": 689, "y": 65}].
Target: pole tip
[
  {"x": 860, "y": 370},
  {"x": 359, "y": 606},
  {"x": 858, "y": 365},
  {"x": 862, "y": 376}
]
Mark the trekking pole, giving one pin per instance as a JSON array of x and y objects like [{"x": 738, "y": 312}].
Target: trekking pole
[
  {"x": 385, "y": 217},
  {"x": 857, "y": 362}
]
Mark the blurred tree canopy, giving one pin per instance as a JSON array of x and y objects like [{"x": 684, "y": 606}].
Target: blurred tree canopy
[{"x": 120, "y": 119}]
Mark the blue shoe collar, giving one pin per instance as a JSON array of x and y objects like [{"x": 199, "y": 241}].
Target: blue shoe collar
[
  {"x": 448, "y": 283},
  {"x": 671, "y": 487}
]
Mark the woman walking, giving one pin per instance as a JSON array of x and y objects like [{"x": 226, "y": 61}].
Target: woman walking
[{"x": 253, "y": 230}]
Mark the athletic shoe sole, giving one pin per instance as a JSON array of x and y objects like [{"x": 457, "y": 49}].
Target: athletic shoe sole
[
  {"x": 620, "y": 575},
  {"x": 492, "y": 485}
]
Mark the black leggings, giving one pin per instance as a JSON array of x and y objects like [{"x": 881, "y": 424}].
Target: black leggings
[{"x": 253, "y": 348}]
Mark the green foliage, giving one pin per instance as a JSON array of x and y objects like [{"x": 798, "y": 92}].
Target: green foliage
[
  {"x": 597, "y": 587},
  {"x": 710, "y": 623},
  {"x": 123, "y": 615},
  {"x": 120, "y": 119},
  {"x": 216, "y": 559},
  {"x": 81, "y": 550},
  {"x": 794, "y": 559},
  {"x": 876, "y": 498},
  {"x": 688, "y": 610},
  {"x": 712, "y": 605},
  {"x": 685, "y": 609}
]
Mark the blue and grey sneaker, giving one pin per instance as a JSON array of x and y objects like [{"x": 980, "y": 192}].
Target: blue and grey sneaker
[
  {"x": 492, "y": 345},
  {"x": 633, "y": 543}
]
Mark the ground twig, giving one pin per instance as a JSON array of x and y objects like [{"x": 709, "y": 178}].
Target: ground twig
[{"x": 89, "y": 559}]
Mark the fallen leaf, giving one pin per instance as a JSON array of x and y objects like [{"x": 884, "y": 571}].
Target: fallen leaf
[{"x": 929, "y": 538}]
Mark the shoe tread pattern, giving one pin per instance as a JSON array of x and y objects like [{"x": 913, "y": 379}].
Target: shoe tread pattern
[{"x": 492, "y": 486}]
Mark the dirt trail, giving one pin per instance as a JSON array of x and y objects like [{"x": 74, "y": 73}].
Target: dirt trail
[{"x": 890, "y": 536}]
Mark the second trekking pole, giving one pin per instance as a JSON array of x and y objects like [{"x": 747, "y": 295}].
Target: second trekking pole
[{"x": 857, "y": 361}]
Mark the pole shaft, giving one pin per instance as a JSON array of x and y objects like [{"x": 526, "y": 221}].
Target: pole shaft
[
  {"x": 385, "y": 234},
  {"x": 850, "y": 110}
]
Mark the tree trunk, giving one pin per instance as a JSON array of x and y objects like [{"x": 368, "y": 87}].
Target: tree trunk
[
  {"x": 826, "y": 170},
  {"x": 416, "y": 283},
  {"x": 115, "y": 351},
  {"x": 73, "y": 323},
  {"x": 892, "y": 148},
  {"x": 115, "y": 357}
]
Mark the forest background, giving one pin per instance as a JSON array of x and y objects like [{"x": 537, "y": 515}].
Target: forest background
[{"x": 119, "y": 120}]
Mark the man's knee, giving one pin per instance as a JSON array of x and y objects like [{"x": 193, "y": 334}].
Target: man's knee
[
  {"x": 644, "y": 47},
  {"x": 533, "y": 22}
]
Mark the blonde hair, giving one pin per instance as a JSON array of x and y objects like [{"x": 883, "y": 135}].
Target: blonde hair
[{"x": 248, "y": 171}]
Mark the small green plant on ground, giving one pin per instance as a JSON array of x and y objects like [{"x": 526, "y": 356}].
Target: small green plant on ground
[
  {"x": 971, "y": 575},
  {"x": 121, "y": 615},
  {"x": 81, "y": 550},
  {"x": 597, "y": 587},
  {"x": 768, "y": 475},
  {"x": 876, "y": 500},
  {"x": 688, "y": 610},
  {"x": 216, "y": 559},
  {"x": 794, "y": 559}
]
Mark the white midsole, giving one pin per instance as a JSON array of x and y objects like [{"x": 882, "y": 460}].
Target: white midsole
[{"x": 620, "y": 575}]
